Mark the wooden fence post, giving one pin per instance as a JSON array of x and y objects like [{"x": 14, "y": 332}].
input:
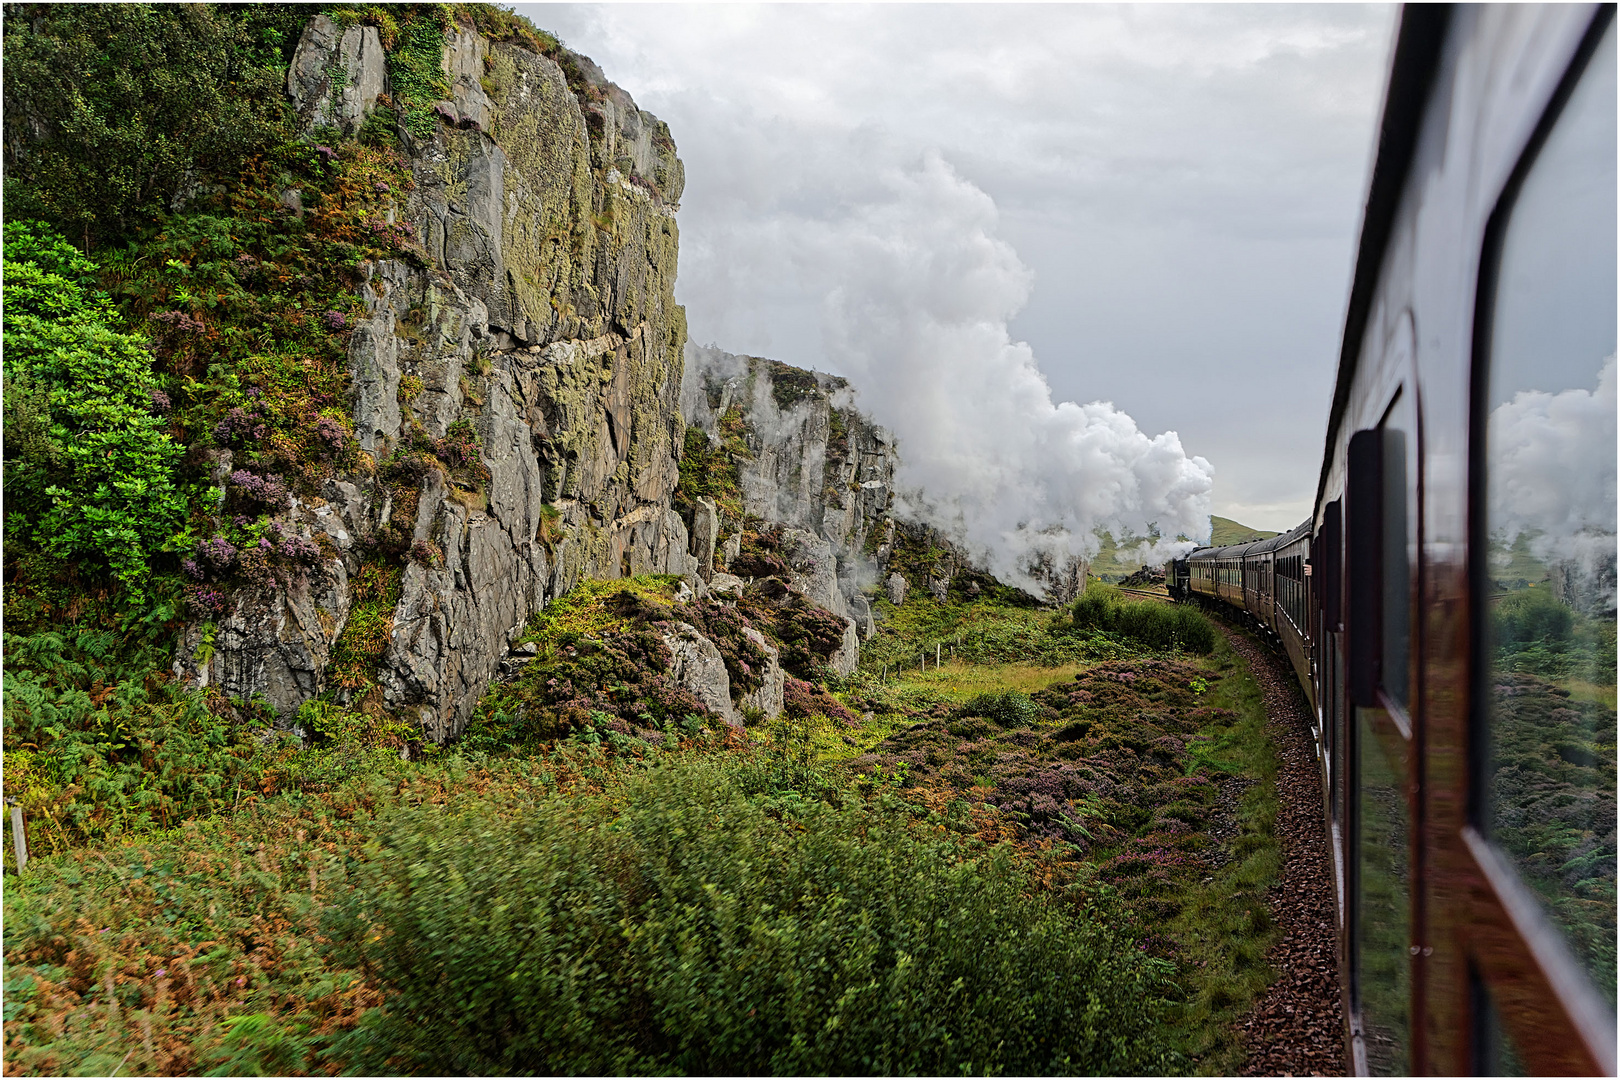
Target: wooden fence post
[{"x": 17, "y": 836}]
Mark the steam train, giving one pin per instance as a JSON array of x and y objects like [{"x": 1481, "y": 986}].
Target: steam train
[{"x": 1449, "y": 606}]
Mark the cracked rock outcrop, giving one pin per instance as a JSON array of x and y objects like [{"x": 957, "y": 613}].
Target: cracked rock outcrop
[{"x": 542, "y": 314}]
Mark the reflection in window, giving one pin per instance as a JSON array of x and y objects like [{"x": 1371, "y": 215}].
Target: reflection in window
[
  {"x": 1380, "y": 912},
  {"x": 1549, "y": 690}
]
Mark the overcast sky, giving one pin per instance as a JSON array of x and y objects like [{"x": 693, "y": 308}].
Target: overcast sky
[{"x": 1162, "y": 202}]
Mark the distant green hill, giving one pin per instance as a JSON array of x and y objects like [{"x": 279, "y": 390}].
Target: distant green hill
[{"x": 1225, "y": 531}]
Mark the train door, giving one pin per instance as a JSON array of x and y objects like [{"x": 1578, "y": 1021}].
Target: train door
[
  {"x": 1538, "y": 848},
  {"x": 1327, "y": 582},
  {"x": 1385, "y": 812}
]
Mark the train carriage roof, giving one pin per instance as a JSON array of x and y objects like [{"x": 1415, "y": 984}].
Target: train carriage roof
[
  {"x": 1252, "y": 547},
  {"x": 1418, "y": 43}
]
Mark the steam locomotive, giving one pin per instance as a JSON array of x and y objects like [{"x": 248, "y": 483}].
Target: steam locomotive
[{"x": 1449, "y": 606}]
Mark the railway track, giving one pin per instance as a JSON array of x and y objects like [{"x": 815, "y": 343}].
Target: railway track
[{"x": 1144, "y": 593}]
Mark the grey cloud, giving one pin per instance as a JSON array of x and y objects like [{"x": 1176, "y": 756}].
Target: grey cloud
[{"x": 1181, "y": 184}]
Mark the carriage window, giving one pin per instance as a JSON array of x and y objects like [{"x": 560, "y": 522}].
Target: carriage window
[
  {"x": 1380, "y": 914},
  {"x": 1548, "y": 635},
  {"x": 1399, "y": 521}
]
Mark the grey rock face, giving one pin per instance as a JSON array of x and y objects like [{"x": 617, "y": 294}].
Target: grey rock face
[
  {"x": 730, "y": 549},
  {"x": 565, "y": 358},
  {"x": 705, "y": 527},
  {"x": 816, "y": 463},
  {"x": 336, "y": 75},
  {"x": 896, "y": 586},
  {"x": 275, "y": 642},
  {"x": 848, "y": 656},
  {"x": 698, "y": 666},
  {"x": 465, "y": 53},
  {"x": 768, "y": 697},
  {"x": 815, "y": 570}
]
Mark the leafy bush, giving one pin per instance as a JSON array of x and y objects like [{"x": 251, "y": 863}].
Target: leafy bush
[
  {"x": 94, "y": 476},
  {"x": 1156, "y": 625},
  {"x": 678, "y": 924},
  {"x": 117, "y": 108},
  {"x": 1008, "y": 708},
  {"x": 1536, "y": 633},
  {"x": 1529, "y": 616},
  {"x": 99, "y": 741}
]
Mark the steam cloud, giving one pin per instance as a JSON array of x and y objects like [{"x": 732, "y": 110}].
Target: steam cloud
[
  {"x": 919, "y": 323},
  {"x": 1552, "y": 477}
]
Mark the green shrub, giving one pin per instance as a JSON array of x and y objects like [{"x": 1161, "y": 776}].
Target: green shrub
[
  {"x": 679, "y": 924},
  {"x": 1008, "y": 708},
  {"x": 1156, "y": 625},
  {"x": 94, "y": 475},
  {"x": 119, "y": 107},
  {"x": 99, "y": 741},
  {"x": 1532, "y": 616}
]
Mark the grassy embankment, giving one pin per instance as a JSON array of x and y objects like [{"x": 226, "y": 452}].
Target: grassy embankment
[{"x": 1144, "y": 773}]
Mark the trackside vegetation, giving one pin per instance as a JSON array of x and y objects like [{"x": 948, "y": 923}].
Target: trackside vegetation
[{"x": 709, "y": 910}]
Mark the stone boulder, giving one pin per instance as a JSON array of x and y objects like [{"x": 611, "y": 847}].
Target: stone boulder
[
  {"x": 896, "y": 586},
  {"x": 697, "y": 665},
  {"x": 861, "y": 610},
  {"x": 730, "y": 550},
  {"x": 768, "y": 697},
  {"x": 726, "y": 583}
]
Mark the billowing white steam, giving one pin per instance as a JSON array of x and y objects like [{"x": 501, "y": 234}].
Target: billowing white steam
[
  {"x": 1552, "y": 476},
  {"x": 919, "y": 323}
]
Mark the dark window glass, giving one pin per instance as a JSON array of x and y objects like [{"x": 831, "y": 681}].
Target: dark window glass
[
  {"x": 1548, "y": 692},
  {"x": 1399, "y": 548},
  {"x": 1381, "y": 925}
]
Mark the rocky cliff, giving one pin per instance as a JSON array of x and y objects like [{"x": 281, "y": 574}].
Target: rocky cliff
[
  {"x": 806, "y": 458},
  {"x": 515, "y": 385},
  {"x": 519, "y": 410}
]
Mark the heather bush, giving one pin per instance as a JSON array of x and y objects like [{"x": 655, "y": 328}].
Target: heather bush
[
  {"x": 681, "y": 924},
  {"x": 803, "y": 700}
]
